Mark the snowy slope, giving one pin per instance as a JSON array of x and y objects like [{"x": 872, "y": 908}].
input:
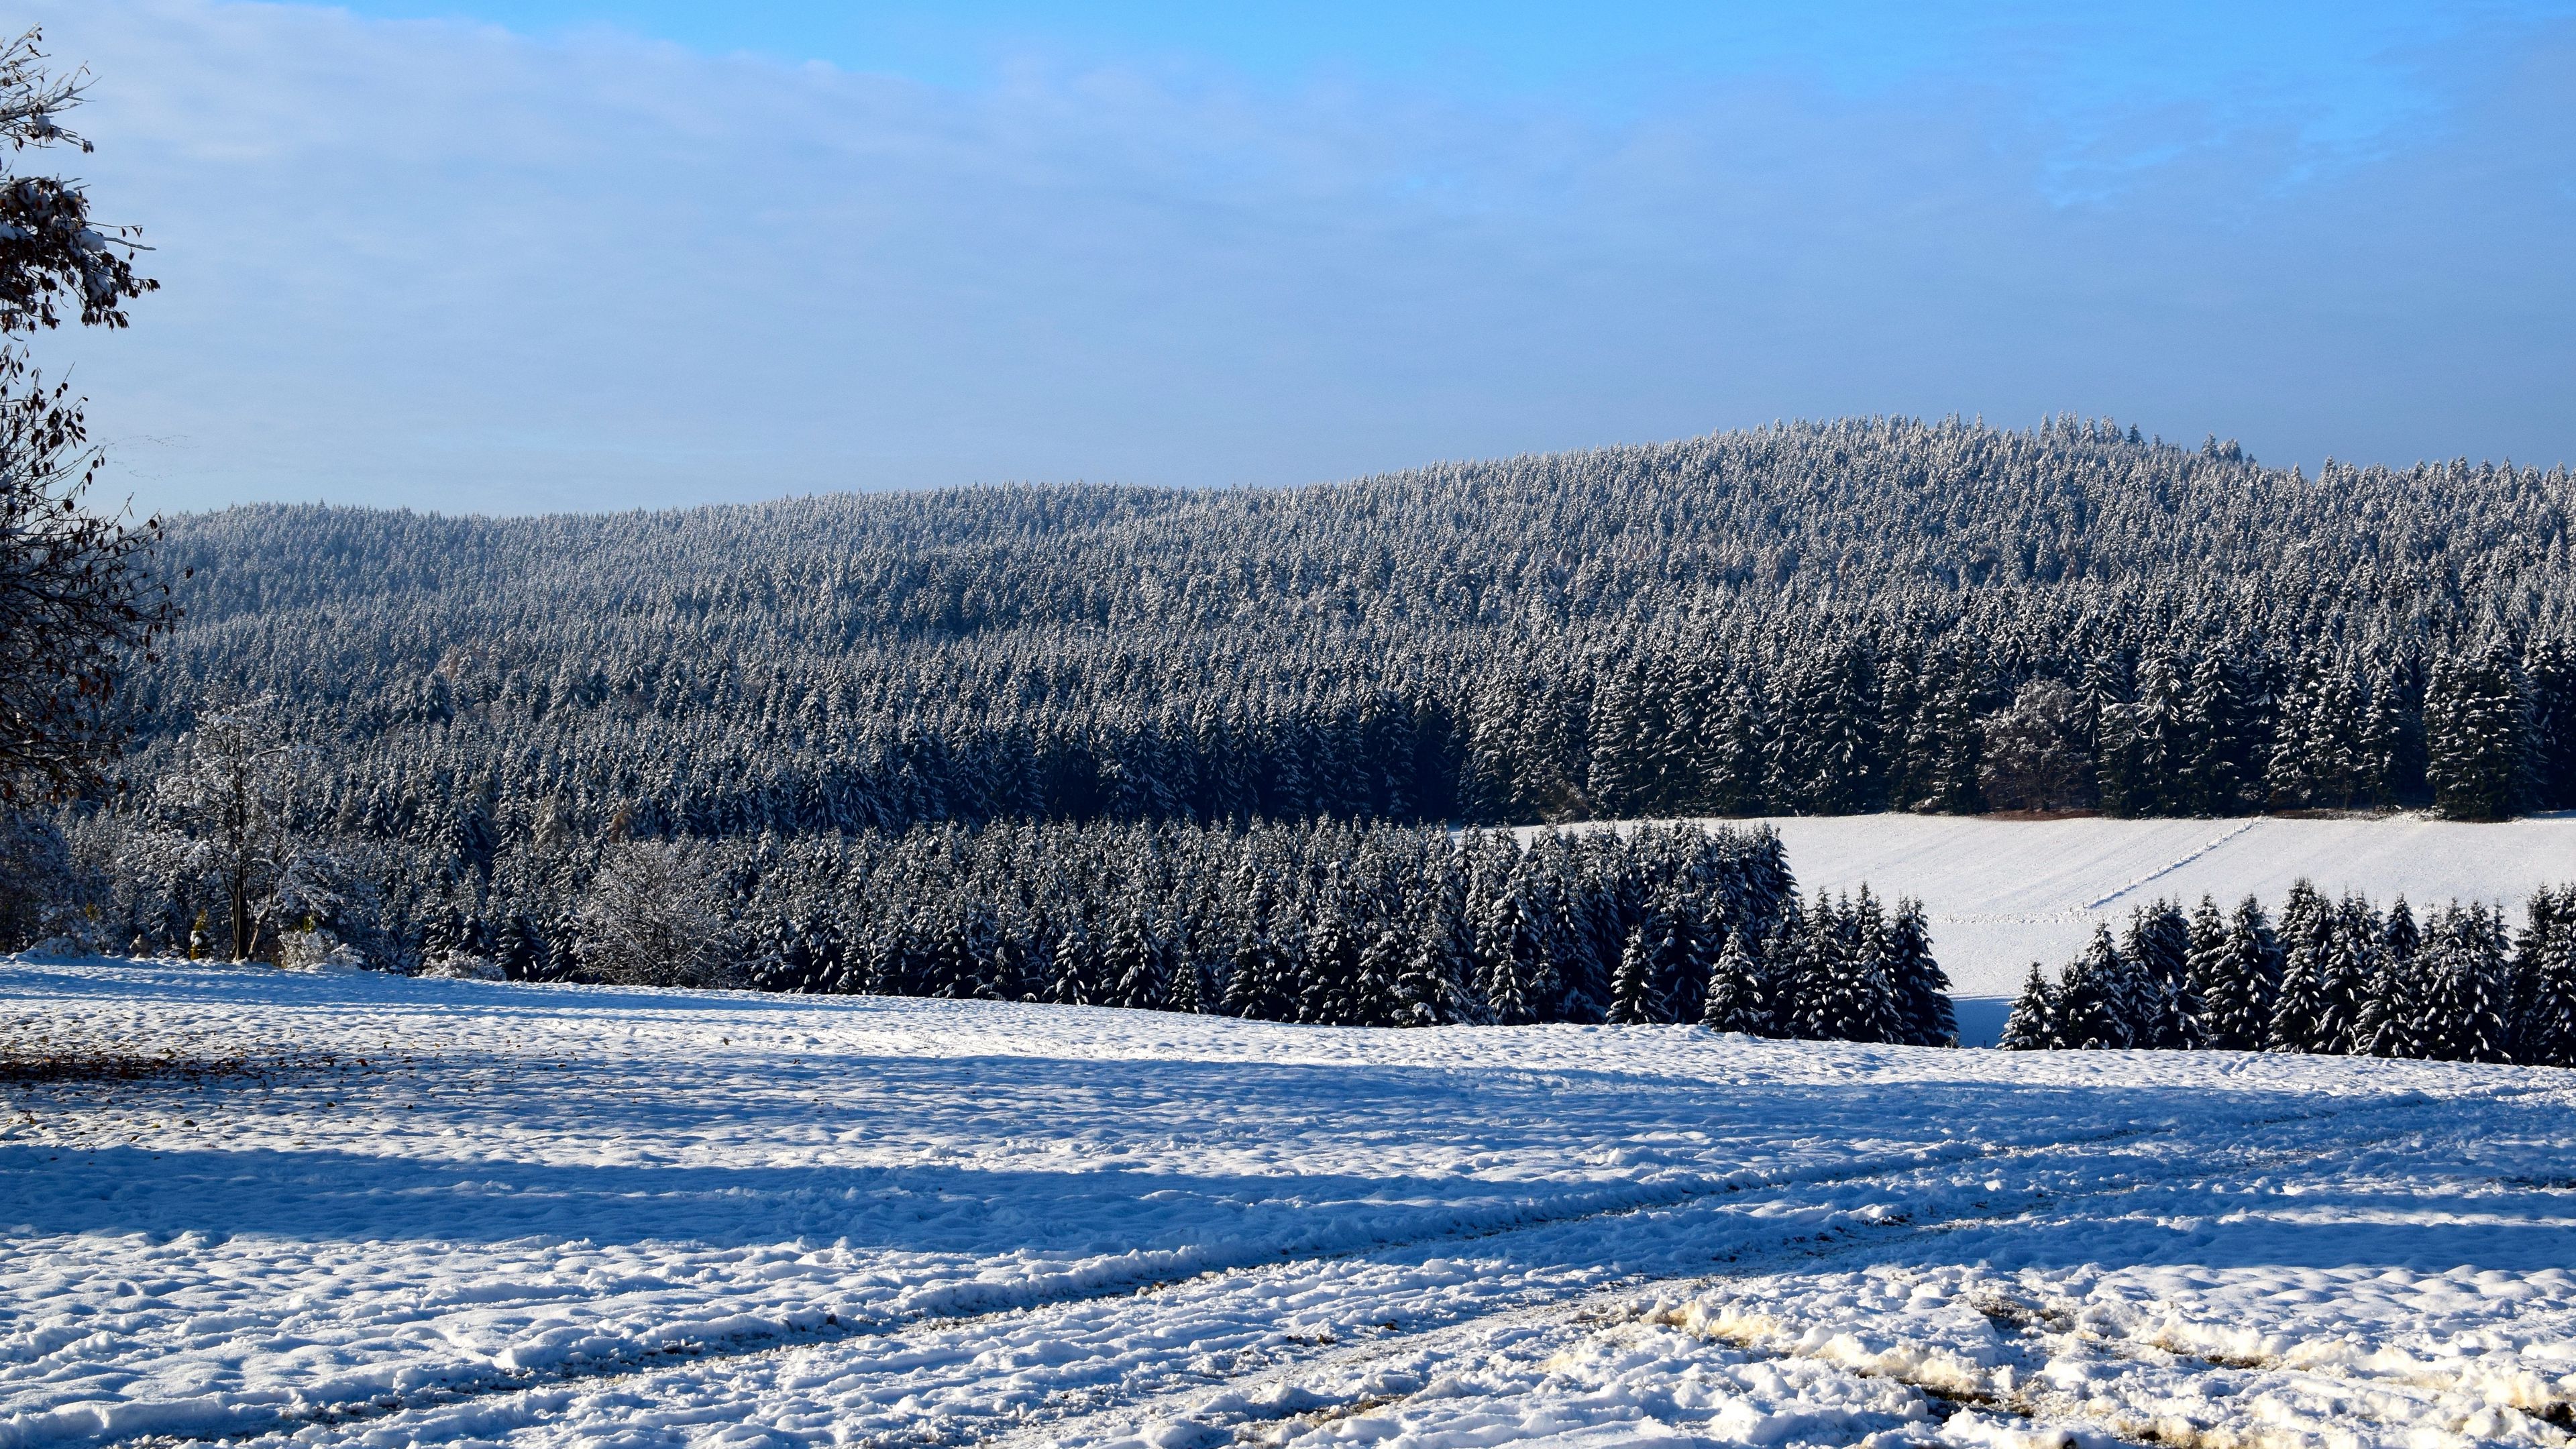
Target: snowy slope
[
  {"x": 558, "y": 1215},
  {"x": 2004, "y": 893}
]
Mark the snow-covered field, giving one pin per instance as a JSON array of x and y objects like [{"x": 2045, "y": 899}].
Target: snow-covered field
[
  {"x": 550, "y": 1214},
  {"x": 2003, "y": 893}
]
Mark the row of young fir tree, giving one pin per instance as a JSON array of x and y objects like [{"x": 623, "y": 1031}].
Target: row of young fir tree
[
  {"x": 1326, "y": 922},
  {"x": 2333, "y": 978},
  {"x": 1383, "y": 926}
]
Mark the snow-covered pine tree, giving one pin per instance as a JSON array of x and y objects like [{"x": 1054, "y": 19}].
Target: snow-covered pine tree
[
  {"x": 1512, "y": 958},
  {"x": 1784, "y": 969},
  {"x": 2237, "y": 1001},
  {"x": 2301, "y": 1019},
  {"x": 1632, "y": 988},
  {"x": 1074, "y": 979},
  {"x": 2466, "y": 987},
  {"x": 2478, "y": 735},
  {"x": 2157, "y": 946},
  {"x": 1922, "y": 987},
  {"x": 2205, "y": 964},
  {"x": 1736, "y": 998},
  {"x": 2546, "y": 1034},
  {"x": 1255, "y": 988},
  {"x": 2031, "y": 1025},
  {"x": 2350, "y": 964},
  {"x": 1375, "y": 1000},
  {"x": 2087, "y": 1007}
]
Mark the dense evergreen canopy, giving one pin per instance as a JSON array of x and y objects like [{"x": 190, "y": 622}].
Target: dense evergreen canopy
[
  {"x": 491, "y": 726},
  {"x": 1815, "y": 618}
]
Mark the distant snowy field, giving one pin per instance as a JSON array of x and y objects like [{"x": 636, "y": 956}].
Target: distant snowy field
[
  {"x": 2004, "y": 893},
  {"x": 542, "y": 1215}
]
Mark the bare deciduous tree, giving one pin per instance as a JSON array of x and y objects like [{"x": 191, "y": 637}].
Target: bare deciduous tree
[
  {"x": 656, "y": 917},
  {"x": 77, "y": 595},
  {"x": 230, "y": 805},
  {"x": 2035, "y": 754}
]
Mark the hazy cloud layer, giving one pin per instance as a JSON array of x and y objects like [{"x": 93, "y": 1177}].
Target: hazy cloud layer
[{"x": 452, "y": 267}]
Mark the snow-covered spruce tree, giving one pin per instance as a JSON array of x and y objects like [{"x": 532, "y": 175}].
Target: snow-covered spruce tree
[
  {"x": 1922, "y": 987},
  {"x": 1432, "y": 990},
  {"x": 1191, "y": 990},
  {"x": 2087, "y": 1011},
  {"x": 2392, "y": 733},
  {"x": 2031, "y": 1025},
  {"x": 1073, "y": 977},
  {"x": 2545, "y": 1031},
  {"x": 1256, "y": 988},
  {"x": 2392, "y": 1021},
  {"x": 2464, "y": 988},
  {"x": 1683, "y": 963},
  {"x": 1632, "y": 990},
  {"x": 1132, "y": 959},
  {"x": 2239, "y": 996},
  {"x": 2549, "y": 676},
  {"x": 2157, "y": 946},
  {"x": 1376, "y": 999},
  {"x": 2219, "y": 777},
  {"x": 2350, "y": 963},
  {"x": 1877, "y": 1014},
  {"x": 1736, "y": 998},
  {"x": 2302, "y": 1020},
  {"x": 1845, "y": 992},
  {"x": 1816, "y": 975},
  {"x": 2207, "y": 963},
  {"x": 1330, "y": 969},
  {"x": 1785, "y": 974},
  {"x": 1510, "y": 951},
  {"x": 2478, "y": 736},
  {"x": 2400, "y": 938}
]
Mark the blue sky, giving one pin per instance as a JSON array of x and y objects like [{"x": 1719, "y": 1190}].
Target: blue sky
[{"x": 501, "y": 257}]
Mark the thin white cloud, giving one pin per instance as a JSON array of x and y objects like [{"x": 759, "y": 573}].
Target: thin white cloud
[{"x": 452, "y": 267}]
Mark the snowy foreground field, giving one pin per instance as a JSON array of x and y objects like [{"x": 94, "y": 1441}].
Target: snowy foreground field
[{"x": 549, "y": 1214}]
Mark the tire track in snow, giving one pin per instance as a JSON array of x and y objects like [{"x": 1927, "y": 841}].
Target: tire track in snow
[
  {"x": 1202, "y": 1267},
  {"x": 1602, "y": 1304},
  {"x": 540, "y": 1396}
]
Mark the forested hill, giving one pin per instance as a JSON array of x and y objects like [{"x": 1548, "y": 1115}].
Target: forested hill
[{"x": 1834, "y": 617}]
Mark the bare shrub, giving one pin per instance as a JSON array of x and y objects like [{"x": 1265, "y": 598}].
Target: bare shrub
[{"x": 655, "y": 917}]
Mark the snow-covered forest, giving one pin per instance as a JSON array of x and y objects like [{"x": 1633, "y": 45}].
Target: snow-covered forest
[
  {"x": 454, "y": 735},
  {"x": 2334, "y": 977}
]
